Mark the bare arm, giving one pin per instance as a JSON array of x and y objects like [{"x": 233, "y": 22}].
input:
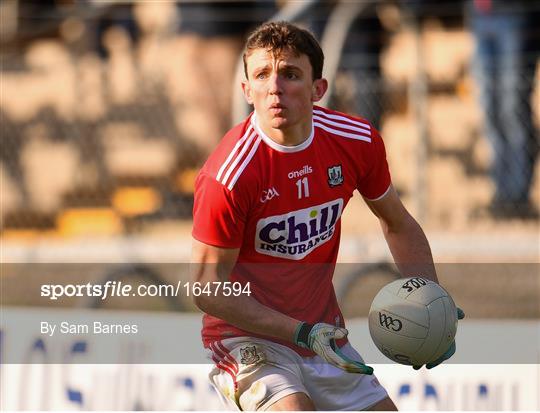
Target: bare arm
[
  {"x": 404, "y": 236},
  {"x": 215, "y": 264}
]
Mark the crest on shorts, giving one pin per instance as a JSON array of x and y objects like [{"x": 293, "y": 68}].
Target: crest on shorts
[
  {"x": 249, "y": 355},
  {"x": 335, "y": 177}
]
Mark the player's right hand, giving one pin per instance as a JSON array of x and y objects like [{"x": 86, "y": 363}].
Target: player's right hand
[
  {"x": 321, "y": 338},
  {"x": 451, "y": 350}
]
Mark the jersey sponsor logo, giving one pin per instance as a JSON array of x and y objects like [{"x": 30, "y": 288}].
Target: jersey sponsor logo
[
  {"x": 297, "y": 174},
  {"x": 268, "y": 194},
  {"x": 335, "y": 177},
  {"x": 297, "y": 233}
]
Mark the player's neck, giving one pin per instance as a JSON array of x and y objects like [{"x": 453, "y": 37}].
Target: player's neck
[{"x": 292, "y": 136}]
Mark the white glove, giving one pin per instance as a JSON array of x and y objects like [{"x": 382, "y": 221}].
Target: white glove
[{"x": 321, "y": 338}]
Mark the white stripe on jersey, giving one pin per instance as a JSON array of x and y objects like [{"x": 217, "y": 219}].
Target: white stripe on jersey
[
  {"x": 239, "y": 156},
  {"x": 246, "y": 161},
  {"x": 240, "y": 142},
  {"x": 341, "y": 133},
  {"x": 343, "y": 118},
  {"x": 381, "y": 196},
  {"x": 363, "y": 131}
]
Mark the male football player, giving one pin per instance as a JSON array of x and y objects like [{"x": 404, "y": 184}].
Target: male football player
[{"x": 267, "y": 214}]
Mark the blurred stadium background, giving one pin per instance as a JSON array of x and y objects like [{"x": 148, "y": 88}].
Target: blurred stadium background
[{"x": 108, "y": 109}]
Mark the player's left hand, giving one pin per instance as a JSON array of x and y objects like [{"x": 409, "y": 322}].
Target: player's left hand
[
  {"x": 321, "y": 338},
  {"x": 451, "y": 350}
]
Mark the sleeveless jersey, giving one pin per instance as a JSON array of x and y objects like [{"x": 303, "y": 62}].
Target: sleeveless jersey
[{"x": 281, "y": 206}]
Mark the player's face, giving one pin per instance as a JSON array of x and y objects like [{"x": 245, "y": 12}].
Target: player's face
[{"x": 282, "y": 89}]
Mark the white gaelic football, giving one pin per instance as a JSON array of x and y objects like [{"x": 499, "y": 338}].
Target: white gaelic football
[{"x": 413, "y": 321}]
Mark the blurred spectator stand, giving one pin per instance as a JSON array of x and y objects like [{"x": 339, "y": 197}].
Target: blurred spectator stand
[{"x": 507, "y": 48}]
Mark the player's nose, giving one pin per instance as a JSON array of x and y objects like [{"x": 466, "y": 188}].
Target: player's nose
[{"x": 274, "y": 85}]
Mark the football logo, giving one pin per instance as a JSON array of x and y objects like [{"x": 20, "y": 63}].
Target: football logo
[
  {"x": 389, "y": 322},
  {"x": 400, "y": 358},
  {"x": 335, "y": 177}
]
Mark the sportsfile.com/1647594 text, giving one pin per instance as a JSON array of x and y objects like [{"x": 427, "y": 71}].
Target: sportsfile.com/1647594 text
[{"x": 120, "y": 289}]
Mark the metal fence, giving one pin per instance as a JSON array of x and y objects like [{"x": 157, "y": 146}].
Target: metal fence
[{"x": 108, "y": 112}]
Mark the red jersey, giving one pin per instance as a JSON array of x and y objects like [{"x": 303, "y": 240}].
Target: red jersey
[{"x": 281, "y": 206}]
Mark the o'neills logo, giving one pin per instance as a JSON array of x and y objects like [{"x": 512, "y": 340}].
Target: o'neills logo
[
  {"x": 295, "y": 234},
  {"x": 297, "y": 174}
]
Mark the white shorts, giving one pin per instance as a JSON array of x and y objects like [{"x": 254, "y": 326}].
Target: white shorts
[{"x": 252, "y": 374}]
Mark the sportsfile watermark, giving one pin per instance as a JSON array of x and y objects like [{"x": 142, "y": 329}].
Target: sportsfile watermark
[
  {"x": 121, "y": 289},
  {"x": 146, "y": 313}
]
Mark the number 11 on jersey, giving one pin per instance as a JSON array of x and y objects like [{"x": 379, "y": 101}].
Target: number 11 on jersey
[{"x": 303, "y": 188}]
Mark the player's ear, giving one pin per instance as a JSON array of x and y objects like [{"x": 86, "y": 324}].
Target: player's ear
[
  {"x": 247, "y": 92},
  {"x": 319, "y": 88}
]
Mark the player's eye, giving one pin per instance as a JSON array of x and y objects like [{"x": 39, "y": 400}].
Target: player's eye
[
  {"x": 260, "y": 75},
  {"x": 291, "y": 75}
]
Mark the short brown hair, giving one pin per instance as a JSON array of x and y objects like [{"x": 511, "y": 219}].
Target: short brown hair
[{"x": 279, "y": 36}]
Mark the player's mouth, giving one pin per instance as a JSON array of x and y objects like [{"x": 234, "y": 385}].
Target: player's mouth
[{"x": 277, "y": 108}]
